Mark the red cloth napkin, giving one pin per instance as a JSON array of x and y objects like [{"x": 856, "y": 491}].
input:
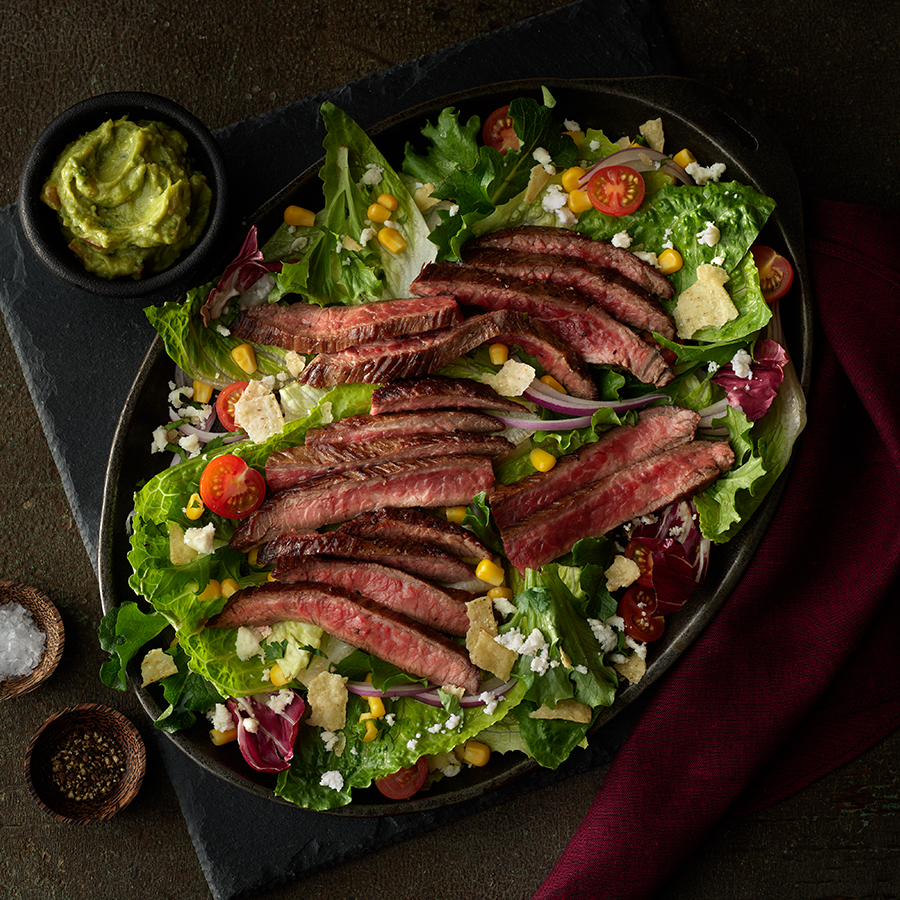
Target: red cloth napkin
[{"x": 798, "y": 672}]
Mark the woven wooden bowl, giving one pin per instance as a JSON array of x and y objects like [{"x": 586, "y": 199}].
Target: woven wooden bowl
[
  {"x": 53, "y": 742},
  {"x": 47, "y": 618}
]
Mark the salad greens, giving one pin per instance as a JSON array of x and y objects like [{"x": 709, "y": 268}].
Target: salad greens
[{"x": 561, "y": 625}]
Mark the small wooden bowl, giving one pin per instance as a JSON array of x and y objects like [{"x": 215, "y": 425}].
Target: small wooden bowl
[
  {"x": 47, "y": 619},
  {"x": 88, "y": 722}
]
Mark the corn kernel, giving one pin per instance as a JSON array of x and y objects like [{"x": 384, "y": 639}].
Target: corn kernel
[
  {"x": 376, "y": 706},
  {"x": 194, "y": 508},
  {"x": 487, "y": 570},
  {"x": 392, "y": 240},
  {"x": 298, "y": 216},
  {"x": 499, "y": 354},
  {"x": 684, "y": 158},
  {"x": 223, "y": 737},
  {"x": 271, "y": 577},
  {"x": 551, "y": 382},
  {"x": 579, "y": 201},
  {"x": 202, "y": 392},
  {"x": 500, "y": 593},
  {"x": 475, "y": 753},
  {"x": 212, "y": 591},
  {"x": 276, "y": 676},
  {"x": 371, "y": 730},
  {"x": 377, "y": 212},
  {"x": 669, "y": 261},
  {"x": 388, "y": 200},
  {"x": 455, "y": 514},
  {"x": 245, "y": 356},
  {"x": 229, "y": 586},
  {"x": 571, "y": 177},
  {"x": 253, "y": 556},
  {"x": 542, "y": 460}
]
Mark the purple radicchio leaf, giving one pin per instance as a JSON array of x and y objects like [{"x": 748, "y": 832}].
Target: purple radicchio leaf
[
  {"x": 678, "y": 555},
  {"x": 754, "y": 394},
  {"x": 267, "y": 728},
  {"x": 244, "y": 270}
]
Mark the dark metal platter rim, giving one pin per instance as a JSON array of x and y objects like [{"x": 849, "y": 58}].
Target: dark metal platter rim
[{"x": 752, "y": 153}]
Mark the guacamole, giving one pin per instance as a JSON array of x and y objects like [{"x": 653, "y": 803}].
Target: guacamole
[{"x": 128, "y": 199}]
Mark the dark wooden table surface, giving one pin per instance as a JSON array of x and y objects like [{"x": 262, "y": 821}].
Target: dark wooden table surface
[{"x": 824, "y": 75}]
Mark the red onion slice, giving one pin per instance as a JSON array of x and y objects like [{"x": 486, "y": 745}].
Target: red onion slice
[{"x": 641, "y": 159}]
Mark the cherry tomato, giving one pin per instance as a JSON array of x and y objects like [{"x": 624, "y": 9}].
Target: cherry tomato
[
  {"x": 637, "y": 608},
  {"x": 643, "y": 556},
  {"x": 228, "y": 396},
  {"x": 404, "y": 783},
  {"x": 498, "y": 131},
  {"x": 775, "y": 272},
  {"x": 616, "y": 190},
  {"x": 230, "y": 488}
]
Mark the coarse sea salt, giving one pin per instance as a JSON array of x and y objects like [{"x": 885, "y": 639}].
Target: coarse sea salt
[{"x": 21, "y": 641}]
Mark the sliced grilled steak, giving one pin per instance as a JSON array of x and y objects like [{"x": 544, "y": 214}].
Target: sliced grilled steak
[
  {"x": 597, "y": 508},
  {"x": 619, "y": 296},
  {"x": 436, "y": 392},
  {"x": 584, "y": 326},
  {"x": 415, "y": 597},
  {"x": 366, "y": 428},
  {"x": 656, "y": 430},
  {"x": 420, "y": 526},
  {"x": 357, "y": 621},
  {"x": 423, "y": 560},
  {"x": 307, "y": 328},
  {"x": 421, "y": 354},
  {"x": 285, "y": 468},
  {"x": 535, "y": 239},
  {"x": 330, "y": 499}
]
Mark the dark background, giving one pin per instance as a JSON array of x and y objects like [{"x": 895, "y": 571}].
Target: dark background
[{"x": 825, "y": 76}]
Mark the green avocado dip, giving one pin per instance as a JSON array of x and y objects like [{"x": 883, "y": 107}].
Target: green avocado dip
[{"x": 128, "y": 199}]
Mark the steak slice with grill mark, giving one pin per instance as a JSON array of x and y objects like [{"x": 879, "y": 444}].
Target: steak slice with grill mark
[
  {"x": 597, "y": 508},
  {"x": 537, "y": 239},
  {"x": 420, "y": 526},
  {"x": 372, "y": 427},
  {"x": 401, "y": 591},
  {"x": 421, "y": 354},
  {"x": 358, "y": 621},
  {"x": 285, "y": 468},
  {"x": 619, "y": 296},
  {"x": 331, "y": 499},
  {"x": 584, "y": 326},
  {"x": 656, "y": 430},
  {"x": 308, "y": 328},
  {"x": 425, "y": 561},
  {"x": 438, "y": 391}
]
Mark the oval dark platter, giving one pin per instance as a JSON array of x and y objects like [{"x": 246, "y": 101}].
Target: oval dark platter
[{"x": 717, "y": 128}]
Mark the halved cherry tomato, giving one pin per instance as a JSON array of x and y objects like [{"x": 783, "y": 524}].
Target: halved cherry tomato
[
  {"x": 775, "y": 273},
  {"x": 498, "y": 131},
  {"x": 637, "y": 608},
  {"x": 404, "y": 783},
  {"x": 230, "y": 488},
  {"x": 616, "y": 190},
  {"x": 228, "y": 396}
]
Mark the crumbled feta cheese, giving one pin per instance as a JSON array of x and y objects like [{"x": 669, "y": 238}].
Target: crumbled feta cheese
[
  {"x": 191, "y": 443},
  {"x": 490, "y": 701},
  {"x": 717, "y": 261},
  {"x": 512, "y": 379},
  {"x": 373, "y": 174},
  {"x": 639, "y": 648},
  {"x": 566, "y": 217},
  {"x": 366, "y": 235},
  {"x": 594, "y": 145},
  {"x": 246, "y": 643},
  {"x": 710, "y": 235},
  {"x": 446, "y": 763},
  {"x": 571, "y": 125},
  {"x": 222, "y": 329},
  {"x": 453, "y": 210},
  {"x": 512, "y": 640},
  {"x": 713, "y": 367},
  {"x": 581, "y": 670},
  {"x": 299, "y": 242},
  {"x": 605, "y": 634},
  {"x": 201, "y": 539},
  {"x": 332, "y": 779},
  {"x": 281, "y": 701},
  {"x": 648, "y": 256},
  {"x": 330, "y": 739},
  {"x": 543, "y": 158},
  {"x": 555, "y": 198},
  {"x": 534, "y": 644},
  {"x": 390, "y": 718},
  {"x": 703, "y": 175},
  {"x": 504, "y": 606},
  {"x": 740, "y": 362},
  {"x": 434, "y": 729},
  {"x": 160, "y": 439},
  {"x": 251, "y": 724},
  {"x": 622, "y": 240},
  {"x": 258, "y": 413},
  {"x": 294, "y": 363},
  {"x": 411, "y": 744},
  {"x": 221, "y": 718},
  {"x": 452, "y": 723}
]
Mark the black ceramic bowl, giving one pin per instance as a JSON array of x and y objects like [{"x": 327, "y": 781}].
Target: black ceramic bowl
[{"x": 41, "y": 225}]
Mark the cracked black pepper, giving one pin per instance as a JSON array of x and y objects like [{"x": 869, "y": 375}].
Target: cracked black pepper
[{"x": 87, "y": 765}]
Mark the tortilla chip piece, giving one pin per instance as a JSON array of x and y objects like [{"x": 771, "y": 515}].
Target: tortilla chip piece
[
  {"x": 622, "y": 573},
  {"x": 156, "y": 664},
  {"x": 179, "y": 552},
  {"x": 705, "y": 303},
  {"x": 568, "y": 710},
  {"x": 327, "y": 697},
  {"x": 632, "y": 669},
  {"x": 652, "y": 132},
  {"x": 484, "y": 651}
]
